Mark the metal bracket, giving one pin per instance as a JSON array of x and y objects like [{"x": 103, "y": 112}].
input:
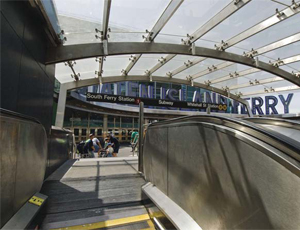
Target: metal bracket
[
  {"x": 124, "y": 73},
  {"x": 295, "y": 5},
  {"x": 188, "y": 40},
  {"x": 148, "y": 38},
  {"x": 239, "y": 94},
  {"x": 212, "y": 68},
  {"x": 236, "y": 2},
  {"x": 162, "y": 60},
  {"x": 251, "y": 54},
  {"x": 100, "y": 60},
  {"x": 101, "y": 36},
  {"x": 169, "y": 74},
  {"x": 147, "y": 72},
  {"x": 71, "y": 65},
  {"x": 188, "y": 63},
  {"x": 208, "y": 82},
  {"x": 279, "y": 14},
  {"x": 150, "y": 77},
  {"x": 132, "y": 58},
  {"x": 296, "y": 74},
  {"x": 277, "y": 63},
  {"x": 190, "y": 79},
  {"x": 222, "y": 46},
  {"x": 61, "y": 36}
]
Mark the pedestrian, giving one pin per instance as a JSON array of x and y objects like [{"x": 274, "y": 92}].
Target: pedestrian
[
  {"x": 109, "y": 150},
  {"x": 89, "y": 147},
  {"x": 97, "y": 145},
  {"x": 115, "y": 144},
  {"x": 132, "y": 141}
]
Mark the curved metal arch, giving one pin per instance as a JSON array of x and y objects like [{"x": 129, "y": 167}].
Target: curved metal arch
[
  {"x": 94, "y": 81},
  {"x": 115, "y": 79},
  {"x": 75, "y": 52}
]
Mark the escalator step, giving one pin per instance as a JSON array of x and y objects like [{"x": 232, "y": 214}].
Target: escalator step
[{"x": 132, "y": 222}]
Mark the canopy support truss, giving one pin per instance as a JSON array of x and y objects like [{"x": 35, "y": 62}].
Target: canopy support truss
[
  {"x": 271, "y": 21},
  {"x": 227, "y": 11},
  {"x": 151, "y": 35},
  {"x": 66, "y": 53}
]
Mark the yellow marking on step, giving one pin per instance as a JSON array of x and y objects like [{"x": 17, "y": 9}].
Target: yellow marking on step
[
  {"x": 108, "y": 223},
  {"x": 36, "y": 200}
]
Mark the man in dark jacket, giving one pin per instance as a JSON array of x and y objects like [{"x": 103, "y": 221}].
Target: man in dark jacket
[{"x": 116, "y": 144}]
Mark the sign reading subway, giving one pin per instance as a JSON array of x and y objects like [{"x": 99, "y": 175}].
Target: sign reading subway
[
  {"x": 153, "y": 102},
  {"x": 187, "y": 98}
]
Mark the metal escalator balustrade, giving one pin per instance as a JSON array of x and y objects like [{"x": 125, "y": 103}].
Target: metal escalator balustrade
[
  {"x": 225, "y": 173},
  {"x": 23, "y": 152},
  {"x": 273, "y": 138}
]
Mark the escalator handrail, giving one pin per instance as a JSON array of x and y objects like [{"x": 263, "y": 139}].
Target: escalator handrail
[
  {"x": 19, "y": 115},
  {"x": 274, "y": 121},
  {"x": 275, "y": 139}
]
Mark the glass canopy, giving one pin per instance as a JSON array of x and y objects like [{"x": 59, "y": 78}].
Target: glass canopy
[{"x": 265, "y": 30}]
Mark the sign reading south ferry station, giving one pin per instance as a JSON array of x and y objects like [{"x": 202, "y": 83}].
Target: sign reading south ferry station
[{"x": 153, "y": 102}]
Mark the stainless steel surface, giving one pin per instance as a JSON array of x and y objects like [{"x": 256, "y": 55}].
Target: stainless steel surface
[
  {"x": 141, "y": 136},
  {"x": 24, "y": 217},
  {"x": 23, "y": 152},
  {"x": 151, "y": 35},
  {"x": 223, "y": 177},
  {"x": 60, "y": 54},
  {"x": 288, "y": 128},
  {"x": 106, "y": 13},
  {"x": 253, "y": 70},
  {"x": 289, "y": 132},
  {"x": 60, "y": 148},
  {"x": 179, "y": 218},
  {"x": 61, "y": 106}
]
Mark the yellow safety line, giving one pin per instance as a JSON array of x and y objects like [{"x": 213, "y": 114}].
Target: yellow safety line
[{"x": 108, "y": 223}]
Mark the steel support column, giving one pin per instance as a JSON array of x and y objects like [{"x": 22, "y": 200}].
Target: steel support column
[
  {"x": 61, "y": 105},
  {"x": 141, "y": 136}
]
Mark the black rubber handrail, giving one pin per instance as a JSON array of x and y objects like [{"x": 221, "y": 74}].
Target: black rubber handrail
[
  {"x": 275, "y": 121},
  {"x": 19, "y": 115},
  {"x": 275, "y": 139}
]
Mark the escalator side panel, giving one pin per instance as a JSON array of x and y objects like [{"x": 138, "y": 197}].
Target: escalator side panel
[
  {"x": 23, "y": 162},
  {"x": 223, "y": 181},
  {"x": 156, "y": 158}
]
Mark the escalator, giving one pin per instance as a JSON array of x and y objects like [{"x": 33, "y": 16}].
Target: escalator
[
  {"x": 227, "y": 173},
  {"x": 200, "y": 172},
  {"x": 288, "y": 128}
]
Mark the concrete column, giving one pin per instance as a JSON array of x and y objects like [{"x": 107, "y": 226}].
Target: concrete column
[{"x": 105, "y": 119}]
